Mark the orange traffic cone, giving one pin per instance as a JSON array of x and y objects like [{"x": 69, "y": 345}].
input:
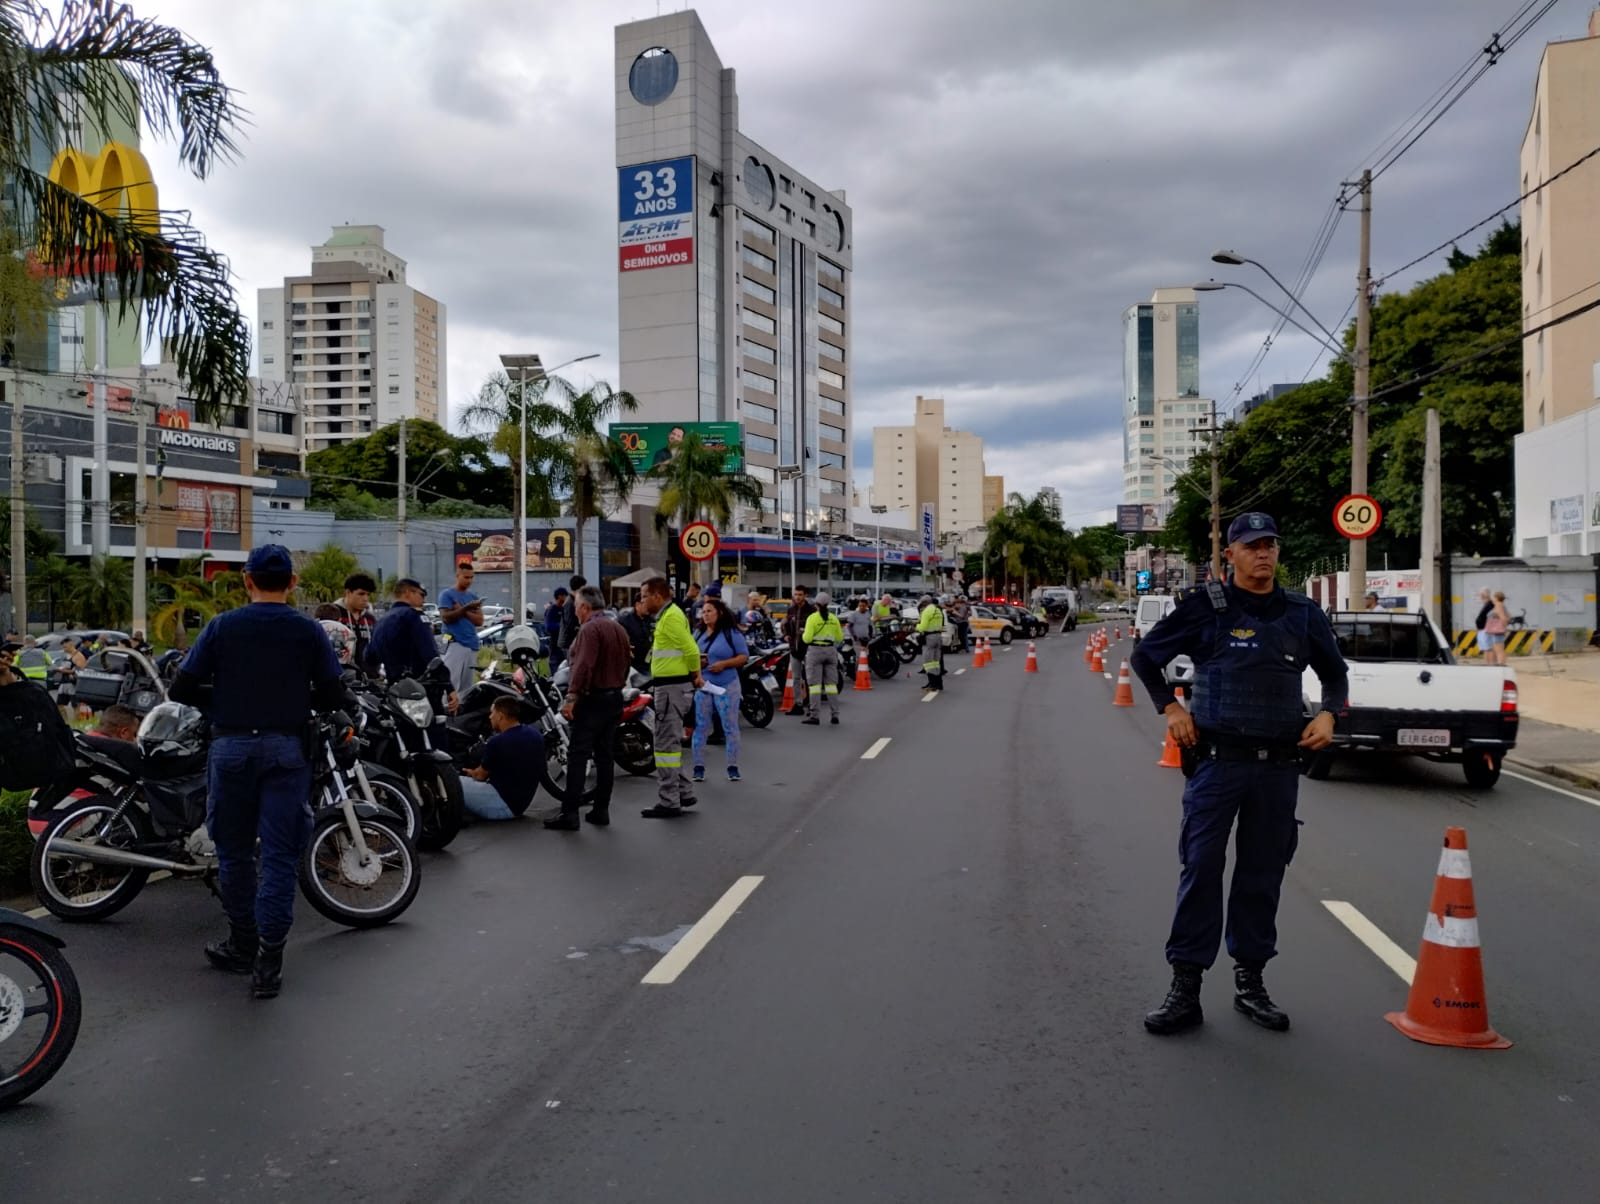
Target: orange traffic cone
[
  {"x": 1124, "y": 694},
  {"x": 1118, "y": 633},
  {"x": 788, "y": 689},
  {"x": 980, "y": 653},
  {"x": 1447, "y": 1005},
  {"x": 1098, "y": 664},
  {"x": 863, "y": 674},
  {"x": 1088, "y": 649},
  {"x": 1033, "y": 659},
  {"x": 1171, "y": 754}
]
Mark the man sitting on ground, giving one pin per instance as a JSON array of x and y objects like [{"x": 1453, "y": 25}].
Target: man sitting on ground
[{"x": 503, "y": 785}]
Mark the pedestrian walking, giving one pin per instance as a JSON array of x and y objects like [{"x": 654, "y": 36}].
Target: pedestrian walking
[
  {"x": 67, "y": 689},
  {"x": 268, "y": 666},
  {"x": 794, "y": 629},
  {"x": 822, "y": 635},
  {"x": 1242, "y": 743},
  {"x": 675, "y": 670},
  {"x": 461, "y": 613},
  {"x": 930, "y": 626},
  {"x": 1497, "y": 625},
  {"x": 1484, "y": 639},
  {"x": 598, "y": 665},
  {"x": 723, "y": 652}
]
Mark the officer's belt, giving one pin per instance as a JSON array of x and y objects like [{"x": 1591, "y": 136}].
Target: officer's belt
[
  {"x": 1208, "y": 750},
  {"x": 820, "y": 644}
]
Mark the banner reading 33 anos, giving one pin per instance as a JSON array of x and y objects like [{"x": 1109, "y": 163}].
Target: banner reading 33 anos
[{"x": 656, "y": 214}]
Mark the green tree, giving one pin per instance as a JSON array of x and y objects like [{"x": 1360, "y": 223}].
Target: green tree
[
  {"x": 1102, "y": 549},
  {"x": 185, "y": 598},
  {"x": 56, "y": 578},
  {"x": 694, "y": 486},
  {"x": 323, "y": 575},
  {"x": 588, "y": 463},
  {"x": 94, "y": 61},
  {"x": 102, "y": 593},
  {"x": 497, "y": 414},
  {"x": 1028, "y": 541},
  {"x": 364, "y": 473}
]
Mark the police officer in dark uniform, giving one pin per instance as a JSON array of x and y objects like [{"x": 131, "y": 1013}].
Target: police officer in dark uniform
[
  {"x": 1242, "y": 743},
  {"x": 268, "y": 666}
]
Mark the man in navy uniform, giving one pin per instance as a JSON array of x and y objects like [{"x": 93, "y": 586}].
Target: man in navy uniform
[
  {"x": 268, "y": 666},
  {"x": 1250, "y": 642}
]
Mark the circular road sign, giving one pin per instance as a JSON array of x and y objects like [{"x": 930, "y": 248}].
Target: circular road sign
[
  {"x": 699, "y": 541},
  {"x": 1357, "y": 516}
]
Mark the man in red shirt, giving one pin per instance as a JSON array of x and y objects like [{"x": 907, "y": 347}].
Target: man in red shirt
[{"x": 598, "y": 664}]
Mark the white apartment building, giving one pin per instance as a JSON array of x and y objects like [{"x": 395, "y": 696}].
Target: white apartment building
[
  {"x": 1165, "y": 420},
  {"x": 928, "y": 463},
  {"x": 733, "y": 285},
  {"x": 363, "y": 348}
]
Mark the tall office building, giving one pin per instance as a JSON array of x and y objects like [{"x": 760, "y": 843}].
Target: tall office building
[
  {"x": 1164, "y": 417},
  {"x": 364, "y": 348},
  {"x": 1557, "y": 455},
  {"x": 928, "y": 463},
  {"x": 994, "y": 496},
  {"x": 733, "y": 276}
]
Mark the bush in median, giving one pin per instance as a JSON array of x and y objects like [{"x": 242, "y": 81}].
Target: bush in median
[{"x": 16, "y": 842}]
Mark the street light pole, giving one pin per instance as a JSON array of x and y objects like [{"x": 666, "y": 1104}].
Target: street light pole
[
  {"x": 877, "y": 580},
  {"x": 791, "y": 472},
  {"x": 1363, "y": 373}
]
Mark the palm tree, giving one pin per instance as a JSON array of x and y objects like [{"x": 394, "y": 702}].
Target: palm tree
[
  {"x": 58, "y": 578},
  {"x": 186, "y": 597},
  {"x": 590, "y": 463},
  {"x": 695, "y": 485},
  {"x": 94, "y": 62},
  {"x": 323, "y": 576},
  {"x": 1030, "y": 541},
  {"x": 103, "y": 592},
  {"x": 497, "y": 413}
]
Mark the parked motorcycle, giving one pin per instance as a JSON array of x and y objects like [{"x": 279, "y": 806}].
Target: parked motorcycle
[
  {"x": 134, "y": 808},
  {"x": 40, "y": 1006},
  {"x": 882, "y": 655},
  {"x": 404, "y": 732},
  {"x": 760, "y": 687},
  {"x": 635, "y": 745}
]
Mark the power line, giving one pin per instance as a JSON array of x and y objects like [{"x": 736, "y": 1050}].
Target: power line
[{"x": 1451, "y": 242}]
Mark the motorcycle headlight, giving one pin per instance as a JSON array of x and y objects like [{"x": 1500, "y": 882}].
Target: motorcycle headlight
[{"x": 418, "y": 710}]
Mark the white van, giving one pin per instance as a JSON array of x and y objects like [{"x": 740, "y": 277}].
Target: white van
[{"x": 1150, "y": 610}]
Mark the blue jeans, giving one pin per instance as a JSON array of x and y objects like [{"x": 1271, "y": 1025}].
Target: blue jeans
[
  {"x": 1261, "y": 797},
  {"x": 727, "y": 709},
  {"x": 483, "y": 800},
  {"x": 260, "y": 789}
]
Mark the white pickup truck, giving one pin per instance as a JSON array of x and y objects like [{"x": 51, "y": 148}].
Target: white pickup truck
[{"x": 1408, "y": 695}]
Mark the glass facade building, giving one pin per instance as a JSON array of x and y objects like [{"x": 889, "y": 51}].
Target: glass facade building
[{"x": 1164, "y": 418}]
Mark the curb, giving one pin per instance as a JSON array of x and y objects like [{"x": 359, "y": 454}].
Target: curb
[{"x": 1588, "y": 781}]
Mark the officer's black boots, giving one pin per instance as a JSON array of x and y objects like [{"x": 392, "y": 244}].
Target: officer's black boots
[
  {"x": 1182, "y": 1007},
  {"x": 236, "y": 952},
  {"x": 267, "y": 978},
  {"x": 1250, "y": 997}
]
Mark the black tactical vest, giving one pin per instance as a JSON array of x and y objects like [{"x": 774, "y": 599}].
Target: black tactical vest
[{"x": 1249, "y": 688}]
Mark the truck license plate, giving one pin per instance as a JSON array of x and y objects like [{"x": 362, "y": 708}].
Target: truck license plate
[{"x": 1424, "y": 737}]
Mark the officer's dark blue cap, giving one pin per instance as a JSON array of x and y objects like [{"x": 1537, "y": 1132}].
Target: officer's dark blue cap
[
  {"x": 561, "y": 591},
  {"x": 269, "y": 558},
  {"x": 1248, "y": 528}
]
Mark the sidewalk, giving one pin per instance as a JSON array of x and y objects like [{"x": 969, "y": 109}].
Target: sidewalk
[{"x": 1559, "y": 697}]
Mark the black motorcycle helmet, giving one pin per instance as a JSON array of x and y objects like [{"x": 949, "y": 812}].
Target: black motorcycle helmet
[{"x": 173, "y": 736}]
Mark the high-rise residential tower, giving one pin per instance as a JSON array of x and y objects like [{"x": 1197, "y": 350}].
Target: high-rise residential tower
[{"x": 1164, "y": 416}]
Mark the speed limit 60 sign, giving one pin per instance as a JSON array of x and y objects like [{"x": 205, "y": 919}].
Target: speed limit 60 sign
[
  {"x": 1357, "y": 516},
  {"x": 699, "y": 541}
]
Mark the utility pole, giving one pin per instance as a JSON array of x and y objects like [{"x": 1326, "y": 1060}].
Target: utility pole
[
  {"x": 1432, "y": 520},
  {"x": 100, "y": 474},
  {"x": 1216, "y": 499},
  {"x": 141, "y": 616},
  {"x": 1358, "y": 414},
  {"x": 19, "y": 512},
  {"x": 400, "y": 547}
]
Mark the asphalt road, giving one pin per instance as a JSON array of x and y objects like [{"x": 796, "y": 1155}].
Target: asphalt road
[{"x": 933, "y": 993}]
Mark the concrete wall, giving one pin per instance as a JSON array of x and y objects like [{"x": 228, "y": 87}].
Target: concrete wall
[
  {"x": 1558, "y": 487},
  {"x": 1556, "y": 593}
]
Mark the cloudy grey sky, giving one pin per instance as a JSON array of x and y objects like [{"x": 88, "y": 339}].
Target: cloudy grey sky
[{"x": 1020, "y": 170}]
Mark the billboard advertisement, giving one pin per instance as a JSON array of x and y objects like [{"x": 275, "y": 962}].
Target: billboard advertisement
[
  {"x": 652, "y": 443},
  {"x": 926, "y": 526},
  {"x": 1140, "y": 516},
  {"x": 493, "y": 549},
  {"x": 655, "y": 214}
]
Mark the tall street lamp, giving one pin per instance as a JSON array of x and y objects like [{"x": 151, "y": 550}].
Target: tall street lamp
[
  {"x": 791, "y": 472},
  {"x": 526, "y": 363},
  {"x": 877, "y": 579}
]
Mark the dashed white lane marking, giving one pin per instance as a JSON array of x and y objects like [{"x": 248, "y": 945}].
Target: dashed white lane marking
[
  {"x": 877, "y": 747},
  {"x": 666, "y": 971},
  {"x": 1374, "y": 938},
  {"x": 930, "y": 695},
  {"x": 958, "y": 672},
  {"x": 1582, "y": 798}
]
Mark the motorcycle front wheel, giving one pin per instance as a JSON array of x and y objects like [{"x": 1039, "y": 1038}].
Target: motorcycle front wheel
[
  {"x": 755, "y": 706},
  {"x": 393, "y": 793},
  {"x": 555, "y": 770},
  {"x": 442, "y": 807},
  {"x": 40, "y": 1010},
  {"x": 355, "y": 892},
  {"x": 907, "y": 651},
  {"x": 883, "y": 663},
  {"x": 72, "y": 887},
  {"x": 635, "y": 749}
]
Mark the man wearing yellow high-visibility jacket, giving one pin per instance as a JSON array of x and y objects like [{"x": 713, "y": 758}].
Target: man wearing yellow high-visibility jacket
[
  {"x": 675, "y": 670},
  {"x": 822, "y": 636},
  {"x": 930, "y": 625}
]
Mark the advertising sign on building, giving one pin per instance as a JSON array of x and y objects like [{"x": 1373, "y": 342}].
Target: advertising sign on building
[
  {"x": 1140, "y": 516},
  {"x": 652, "y": 443},
  {"x": 208, "y": 508},
  {"x": 925, "y": 524},
  {"x": 655, "y": 214},
  {"x": 196, "y": 441},
  {"x": 493, "y": 549},
  {"x": 177, "y": 419},
  {"x": 1566, "y": 515}
]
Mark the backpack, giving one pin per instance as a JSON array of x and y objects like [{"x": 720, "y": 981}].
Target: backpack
[{"x": 36, "y": 746}]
